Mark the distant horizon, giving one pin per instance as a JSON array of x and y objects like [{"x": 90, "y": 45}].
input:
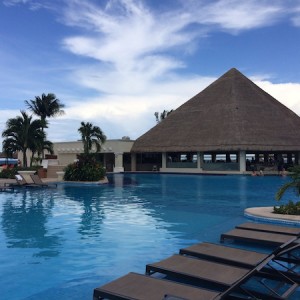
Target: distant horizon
[{"x": 116, "y": 62}]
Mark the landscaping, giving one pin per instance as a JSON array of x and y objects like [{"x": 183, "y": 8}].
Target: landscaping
[
  {"x": 85, "y": 169},
  {"x": 291, "y": 208}
]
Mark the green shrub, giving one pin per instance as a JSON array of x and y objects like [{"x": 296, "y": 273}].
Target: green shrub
[
  {"x": 292, "y": 208},
  {"x": 9, "y": 173},
  {"x": 33, "y": 168},
  {"x": 85, "y": 169}
]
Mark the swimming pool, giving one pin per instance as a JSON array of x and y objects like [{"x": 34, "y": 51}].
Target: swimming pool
[{"x": 62, "y": 243}]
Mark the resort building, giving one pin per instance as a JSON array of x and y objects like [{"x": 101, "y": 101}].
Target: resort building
[
  {"x": 232, "y": 125},
  {"x": 115, "y": 154}
]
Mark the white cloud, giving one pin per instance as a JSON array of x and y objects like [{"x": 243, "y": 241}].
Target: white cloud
[
  {"x": 33, "y": 4},
  {"x": 15, "y": 2},
  {"x": 296, "y": 16},
  {"x": 130, "y": 43},
  {"x": 127, "y": 39},
  {"x": 286, "y": 93},
  {"x": 136, "y": 32},
  {"x": 133, "y": 114},
  {"x": 239, "y": 15}
]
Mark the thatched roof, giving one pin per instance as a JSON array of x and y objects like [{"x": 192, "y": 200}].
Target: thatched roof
[{"x": 231, "y": 114}]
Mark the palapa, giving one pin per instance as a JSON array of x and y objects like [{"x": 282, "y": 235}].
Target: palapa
[{"x": 231, "y": 114}]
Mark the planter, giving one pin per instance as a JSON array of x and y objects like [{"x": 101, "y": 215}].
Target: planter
[
  {"x": 60, "y": 175},
  {"x": 42, "y": 172}
]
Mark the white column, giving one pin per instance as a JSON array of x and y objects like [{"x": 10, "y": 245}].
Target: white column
[
  {"x": 119, "y": 162},
  {"x": 199, "y": 160},
  {"x": 133, "y": 162},
  {"x": 104, "y": 160},
  {"x": 242, "y": 160},
  {"x": 164, "y": 160}
]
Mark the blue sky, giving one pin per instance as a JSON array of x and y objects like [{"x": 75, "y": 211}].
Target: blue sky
[{"x": 115, "y": 62}]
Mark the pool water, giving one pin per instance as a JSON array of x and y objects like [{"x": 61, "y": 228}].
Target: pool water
[{"x": 62, "y": 243}]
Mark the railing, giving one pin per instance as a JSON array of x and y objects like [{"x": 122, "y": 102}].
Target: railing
[
  {"x": 220, "y": 166},
  {"x": 182, "y": 164}
]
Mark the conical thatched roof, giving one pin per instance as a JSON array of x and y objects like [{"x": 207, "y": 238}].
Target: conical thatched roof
[{"x": 231, "y": 114}]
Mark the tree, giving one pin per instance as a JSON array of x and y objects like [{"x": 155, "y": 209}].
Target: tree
[
  {"x": 90, "y": 135},
  {"x": 47, "y": 106},
  {"x": 8, "y": 147},
  {"x": 291, "y": 208},
  {"x": 293, "y": 184},
  {"x": 161, "y": 116},
  {"x": 38, "y": 147},
  {"x": 22, "y": 133}
]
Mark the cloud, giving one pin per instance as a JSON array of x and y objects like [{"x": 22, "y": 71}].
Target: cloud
[
  {"x": 126, "y": 39},
  {"x": 124, "y": 31},
  {"x": 15, "y": 2},
  {"x": 132, "y": 114},
  {"x": 286, "y": 93},
  {"x": 131, "y": 44},
  {"x": 32, "y": 4},
  {"x": 296, "y": 16},
  {"x": 234, "y": 15}
]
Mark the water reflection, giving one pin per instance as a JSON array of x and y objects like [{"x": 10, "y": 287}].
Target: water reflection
[
  {"x": 90, "y": 205},
  {"x": 171, "y": 203},
  {"x": 198, "y": 200},
  {"x": 24, "y": 222}
]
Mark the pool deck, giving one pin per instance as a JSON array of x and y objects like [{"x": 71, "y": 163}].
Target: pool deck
[
  {"x": 54, "y": 180},
  {"x": 266, "y": 214}
]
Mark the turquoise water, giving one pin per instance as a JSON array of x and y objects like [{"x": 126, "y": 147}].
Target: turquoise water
[{"x": 62, "y": 243}]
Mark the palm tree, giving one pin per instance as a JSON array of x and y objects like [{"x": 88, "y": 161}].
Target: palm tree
[
  {"x": 22, "y": 133},
  {"x": 90, "y": 135},
  {"x": 47, "y": 106},
  {"x": 293, "y": 184},
  {"x": 161, "y": 116},
  {"x": 8, "y": 147},
  {"x": 38, "y": 147}
]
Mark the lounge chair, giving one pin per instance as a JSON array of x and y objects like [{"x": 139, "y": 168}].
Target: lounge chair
[
  {"x": 260, "y": 285},
  {"x": 37, "y": 180},
  {"x": 142, "y": 287},
  {"x": 224, "y": 254},
  {"x": 258, "y": 237},
  {"x": 286, "y": 257},
  {"x": 264, "y": 281},
  {"x": 135, "y": 286},
  {"x": 198, "y": 270},
  {"x": 269, "y": 228},
  {"x": 20, "y": 182}
]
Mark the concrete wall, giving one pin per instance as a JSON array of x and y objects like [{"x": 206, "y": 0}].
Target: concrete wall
[{"x": 67, "y": 151}]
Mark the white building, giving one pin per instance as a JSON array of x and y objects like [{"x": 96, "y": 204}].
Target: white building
[{"x": 115, "y": 155}]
